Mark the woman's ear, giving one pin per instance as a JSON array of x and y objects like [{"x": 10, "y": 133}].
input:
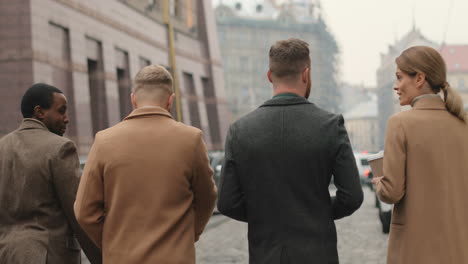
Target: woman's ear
[{"x": 420, "y": 80}]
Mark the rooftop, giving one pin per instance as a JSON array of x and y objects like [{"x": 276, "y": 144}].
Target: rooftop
[
  {"x": 412, "y": 38},
  {"x": 302, "y": 10}
]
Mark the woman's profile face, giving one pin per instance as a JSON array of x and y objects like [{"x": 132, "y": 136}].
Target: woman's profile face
[{"x": 405, "y": 87}]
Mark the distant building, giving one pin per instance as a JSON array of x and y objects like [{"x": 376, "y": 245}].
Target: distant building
[
  {"x": 362, "y": 125},
  {"x": 246, "y": 31},
  {"x": 92, "y": 50},
  {"x": 456, "y": 58},
  {"x": 354, "y": 94},
  {"x": 387, "y": 101}
]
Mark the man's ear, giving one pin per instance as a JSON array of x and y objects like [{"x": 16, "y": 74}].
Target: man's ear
[
  {"x": 170, "y": 101},
  {"x": 38, "y": 112},
  {"x": 134, "y": 102},
  {"x": 306, "y": 75},
  {"x": 269, "y": 76}
]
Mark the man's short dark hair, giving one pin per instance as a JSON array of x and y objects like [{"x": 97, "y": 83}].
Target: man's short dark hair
[
  {"x": 289, "y": 57},
  {"x": 40, "y": 94}
]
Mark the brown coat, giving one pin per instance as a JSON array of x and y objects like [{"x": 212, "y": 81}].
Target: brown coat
[
  {"x": 426, "y": 177},
  {"x": 147, "y": 190},
  {"x": 39, "y": 176}
]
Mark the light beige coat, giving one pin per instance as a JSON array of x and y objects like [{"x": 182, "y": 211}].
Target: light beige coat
[
  {"x": 147, "y": 190},
  {"x": 426, "y": 177}
]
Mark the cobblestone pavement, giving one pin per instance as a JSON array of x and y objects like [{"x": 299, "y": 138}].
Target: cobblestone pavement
[{"x": 360, "y": 238}]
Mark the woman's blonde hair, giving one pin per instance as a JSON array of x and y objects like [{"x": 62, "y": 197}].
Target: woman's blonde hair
[{"x": 426, "y": 60}]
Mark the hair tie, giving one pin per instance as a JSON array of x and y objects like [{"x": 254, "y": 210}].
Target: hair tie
[{"x": 444, "y": 89}]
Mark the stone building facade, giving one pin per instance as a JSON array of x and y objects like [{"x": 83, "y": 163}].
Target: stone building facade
[
  {"x": 387, "y": 100},
  {"x": 246, "y": 31},
  {"x": 362, "y": 125},
  {"x": 456, "y": 58},
  {"x": 91, "y": 50}
]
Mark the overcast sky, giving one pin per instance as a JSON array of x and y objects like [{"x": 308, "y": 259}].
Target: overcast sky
[{"x": 365, "y": 28}]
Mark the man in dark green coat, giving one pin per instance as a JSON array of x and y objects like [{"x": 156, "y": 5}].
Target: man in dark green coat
[{"x": 278, "y": 164}]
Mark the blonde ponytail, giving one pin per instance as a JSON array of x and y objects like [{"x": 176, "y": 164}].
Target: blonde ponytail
[{"x": 453, "y": 102}]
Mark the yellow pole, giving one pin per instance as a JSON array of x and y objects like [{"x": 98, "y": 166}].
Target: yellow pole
[{"x": 172, "y": 58}]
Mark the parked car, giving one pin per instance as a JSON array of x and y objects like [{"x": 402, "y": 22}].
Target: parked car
[
  {"x": 82, "y": 162},
  {"x": 385, "y": 209},
  {"x": 365, "y": 174},
  {"x": 385, "y": 214},
  {"x": 216, "y": 163}
]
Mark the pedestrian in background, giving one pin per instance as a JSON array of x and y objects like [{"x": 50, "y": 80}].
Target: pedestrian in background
[
  {"x": 425, "y": 171},
  {"x": 39, "y": 177},
  {"x": 279, "y": 160},
  {"x": 147, "y": 190}
]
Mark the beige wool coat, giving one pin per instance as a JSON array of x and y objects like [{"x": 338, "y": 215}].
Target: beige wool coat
[
  {"x": 147, "y": 190},
  {"x": 426, "y": 177}
]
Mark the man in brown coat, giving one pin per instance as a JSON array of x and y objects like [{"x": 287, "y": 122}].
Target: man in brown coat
[
  {"x": 39, "y": 176},
  {"x": 147, "y": 190}
]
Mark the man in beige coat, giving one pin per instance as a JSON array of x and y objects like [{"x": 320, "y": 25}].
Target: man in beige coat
[
  {"x": 39, "y": 176},
  {"x": 147, "y": 190}
]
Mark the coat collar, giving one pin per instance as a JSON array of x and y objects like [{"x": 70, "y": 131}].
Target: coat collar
[
  {"x": 31, "y": 123},
  {"x": 429, "y": 103},
  {"x": 148, "y": 110},
  {"x": 286, "y": 101}
]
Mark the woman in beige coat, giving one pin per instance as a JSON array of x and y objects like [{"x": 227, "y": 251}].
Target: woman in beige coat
[{"x": 426, "y": 165}]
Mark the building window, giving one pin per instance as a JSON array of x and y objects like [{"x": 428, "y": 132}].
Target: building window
[
  {"x": 259, "y": 8},
  {"x": 244, "y": 63},
  {"x": 185, "y": 11},
  {"x": 238, "y": 6},
  {"x": 461, "y": 84},
  {"x": 193, "y": 100},
  {"x": 97, "y": 89},
  {"x": 144, "y": 62},
  {"x": 153, "y": 5},
  {"x": 62, "y": 73},
  {"x": 212, "y": 112},
  {"x": 123, "y": 82}
]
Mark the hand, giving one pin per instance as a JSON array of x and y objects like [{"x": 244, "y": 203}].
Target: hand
[{"x": 376, "y": 180}]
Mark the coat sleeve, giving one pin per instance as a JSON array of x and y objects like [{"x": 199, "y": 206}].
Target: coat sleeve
[
  {"x": 391, "y": 188},
  {"x": 204, "y": 188},
  {"x": 231, "y": 200},
  {"x": 349, "y": 195},
  {"x": 89, "y": 204},
  {"x": 66, "y": 176}
]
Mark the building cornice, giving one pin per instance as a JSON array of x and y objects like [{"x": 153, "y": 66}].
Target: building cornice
[{"x": 106, "y": 20}]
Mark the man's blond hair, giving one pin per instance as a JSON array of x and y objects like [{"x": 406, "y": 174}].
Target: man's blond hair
[{"x": 153, "y": 79}]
